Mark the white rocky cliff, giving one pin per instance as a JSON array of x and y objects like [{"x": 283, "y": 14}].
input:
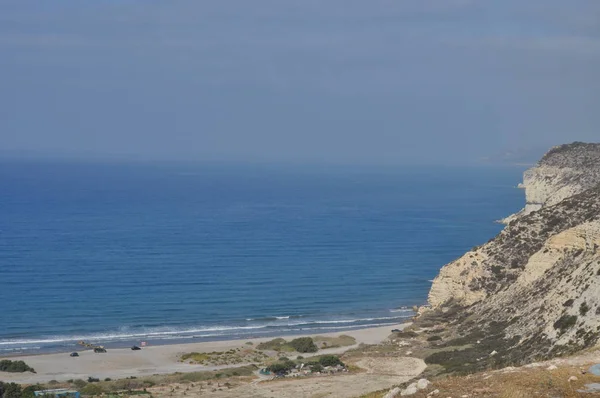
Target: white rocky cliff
[
  {"x": 564, "y": 171},
  {"x": 537, "y": 284}
]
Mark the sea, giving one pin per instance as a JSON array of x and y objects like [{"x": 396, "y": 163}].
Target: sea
[{"x": 119, "y": 253}]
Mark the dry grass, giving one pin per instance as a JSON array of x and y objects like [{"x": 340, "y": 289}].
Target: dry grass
[
  {"x": 231, "y": 357},
  {"x": 520, "y": 383},
  {"x": 333, "y": 342},
  {"x": 376, "y": 394}
]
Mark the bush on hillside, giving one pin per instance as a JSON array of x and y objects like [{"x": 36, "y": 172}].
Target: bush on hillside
[
  {"x": 330, "y": 360},
  {"x": 10, "y": 390},
  {"x": 304, "y": 344},
  {"x": 92, "y": 389},
  {"x": 15, "y": 366},
  {"x": 565, "y": 322},
  {"x": 281, "y": 367}
]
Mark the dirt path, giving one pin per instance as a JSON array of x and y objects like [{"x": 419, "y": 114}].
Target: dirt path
[{"x": 380, "y": 373}]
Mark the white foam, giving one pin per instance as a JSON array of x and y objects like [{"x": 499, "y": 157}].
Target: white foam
[
  {"x": 401, "y": 310},
  {"x": 204, "y": 331}
]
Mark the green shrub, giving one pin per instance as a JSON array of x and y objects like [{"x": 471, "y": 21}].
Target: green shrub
[
  {"x": 92, "y": 389},
  {"x": 79, "y": 383},
  {"x": 28, "y": 392},
  {"x": 15, "y": 366},
  {"x": 304, "y": 344},
  {"x": 316, "y": 367},
  {"x": 330, "y": 360},
  {"x": 274, "y": 344},
  {"x": 10, "y": 390},
  {"x": 93, "y": 379},
  {"x": 281, "y": 367},
  {"x": 565, "y": 322},
  {"x": 569, "y": 303},
  {"x": 434, "y": 338},
  {"x": 583, "y": 308}
]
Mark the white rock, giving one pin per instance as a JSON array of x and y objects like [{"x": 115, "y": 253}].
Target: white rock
[
  {"x": 493, "y": 353},
  {"x": 408, "y": 352},
  {"x": 434, "y": 392},
  {"x": 573, "y": 378},
  {"x": 551, "y": 367},
  {"x": 393, "y": 393},
  {"x": 423, "y": 384},
  {"x": 410, "y": 390}
]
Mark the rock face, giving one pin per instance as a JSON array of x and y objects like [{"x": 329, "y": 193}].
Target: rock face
[
  {"x": 536, "y": 284},
  {"x": 564, "y": 171}
]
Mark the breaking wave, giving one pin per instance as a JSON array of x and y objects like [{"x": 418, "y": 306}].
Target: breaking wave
[{"x": 255, "y": 327}]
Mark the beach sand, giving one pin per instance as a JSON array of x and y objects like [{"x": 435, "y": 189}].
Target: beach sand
[{"x": 163, "y": 359}]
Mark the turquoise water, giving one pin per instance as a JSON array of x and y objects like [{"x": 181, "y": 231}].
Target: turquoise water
[{"x": 119, "y": 253}]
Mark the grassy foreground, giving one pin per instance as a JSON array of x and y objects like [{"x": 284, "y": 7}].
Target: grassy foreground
[{"x": 563, "y": 382}]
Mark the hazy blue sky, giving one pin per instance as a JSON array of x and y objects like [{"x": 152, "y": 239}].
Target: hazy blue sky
[{"x": 311, "y": 80}]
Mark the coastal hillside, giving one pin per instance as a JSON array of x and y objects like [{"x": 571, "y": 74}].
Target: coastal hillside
[
  {"x": 561, "y": 173},
  {"x": 535, "y": 288}
]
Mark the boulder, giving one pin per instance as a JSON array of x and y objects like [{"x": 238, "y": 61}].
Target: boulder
[
  {"x": 422, "y": 384},
  {"x": 410, "y": 390},
  {"x": 393, "y": 393}
]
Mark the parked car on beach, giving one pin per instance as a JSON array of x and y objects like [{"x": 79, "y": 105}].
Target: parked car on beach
[
  {"x": 99, "y": 350},
  {"x": 135, "y": 348},
  {"x": 74, "y": 354}
]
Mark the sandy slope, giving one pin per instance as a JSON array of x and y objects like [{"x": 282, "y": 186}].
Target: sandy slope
[{"x": 381, "y": 373}]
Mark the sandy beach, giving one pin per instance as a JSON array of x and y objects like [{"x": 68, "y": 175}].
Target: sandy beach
[{"x": 164, "y": 359}]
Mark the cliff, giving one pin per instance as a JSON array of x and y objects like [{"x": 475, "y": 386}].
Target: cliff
[
  {"x": 564, "y": 171},
  {"x": 536, "y": 284}
]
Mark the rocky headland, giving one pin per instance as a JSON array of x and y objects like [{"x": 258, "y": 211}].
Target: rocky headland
[{"x": 532, "y": 292}]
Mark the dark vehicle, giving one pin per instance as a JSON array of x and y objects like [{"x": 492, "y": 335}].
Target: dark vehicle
[
  {"x": 99, "y": 350},
  {"x": 395, "y": 330},
  {"x": 135, "y": 348},
  {"x": 73, "y": 354}
]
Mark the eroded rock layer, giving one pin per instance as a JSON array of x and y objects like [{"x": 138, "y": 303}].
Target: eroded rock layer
[{"x": 536, "y": 284}]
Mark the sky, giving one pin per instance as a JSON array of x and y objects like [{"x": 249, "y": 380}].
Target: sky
[{"x": 377, "y": 81}]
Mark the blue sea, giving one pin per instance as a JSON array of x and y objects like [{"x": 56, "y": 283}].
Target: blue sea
[{"x": 115, "y": 253}]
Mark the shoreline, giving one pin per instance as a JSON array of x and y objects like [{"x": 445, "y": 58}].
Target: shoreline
[
  {"x": 123, "y": 343},
  {"x": 164, "y": 335},
  {"x": 120, "y": 363}
]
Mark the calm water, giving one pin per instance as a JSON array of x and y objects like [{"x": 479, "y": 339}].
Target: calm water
[{"x": 120, "y": 253}]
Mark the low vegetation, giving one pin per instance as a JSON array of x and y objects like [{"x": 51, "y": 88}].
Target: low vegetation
[
  {"x": 133, "y": 386},
  {"x": 15, "y": 366},
  {"x": 307, "y": 344},
  {"x": 315, "y": 364},
  {"x": 565, "y": 322},
  {"x": 302, "y": 345},
  {"x": 231, "y": 357},
  {"x": 343, "y": 340},
  {"x": 14, "y": 390},
  {"x": 519, "y": 383}
]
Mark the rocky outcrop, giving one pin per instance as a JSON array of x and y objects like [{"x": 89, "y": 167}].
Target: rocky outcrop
[
  {"x": 493, "y": 267},
  {"x": 564, "y": 171},
  {"x": 536, "y": 284}
]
